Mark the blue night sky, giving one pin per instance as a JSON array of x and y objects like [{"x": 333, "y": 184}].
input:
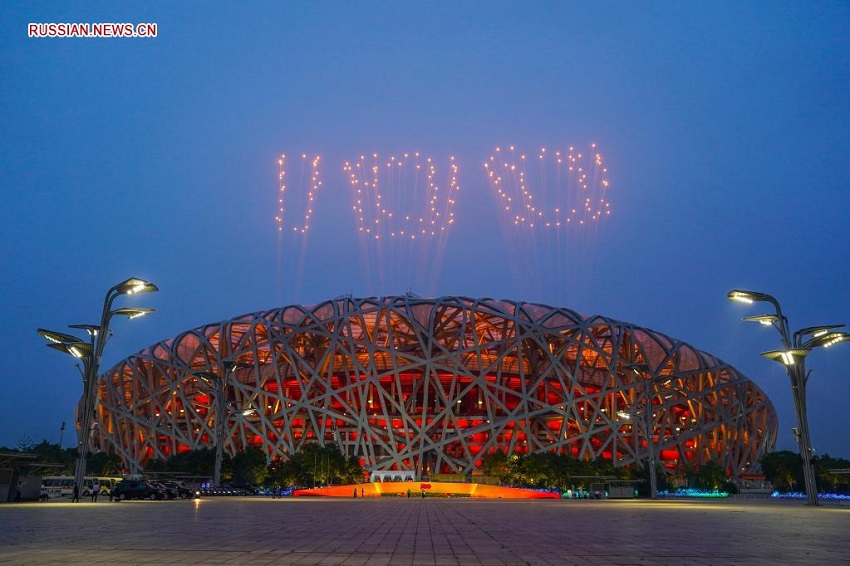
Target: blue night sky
[{"x": 725, "y": 128}]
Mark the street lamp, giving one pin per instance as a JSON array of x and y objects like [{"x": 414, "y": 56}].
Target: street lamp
[
  {"x": 795, "y": 348},
  {"x": 217, "y": 384},
  {"x": 90, "y": 353}
]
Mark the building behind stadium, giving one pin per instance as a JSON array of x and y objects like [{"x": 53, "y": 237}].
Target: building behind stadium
[{"x": 433, "y": 385}]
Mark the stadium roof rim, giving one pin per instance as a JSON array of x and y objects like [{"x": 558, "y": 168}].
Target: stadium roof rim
[{"x": 526, "y": 309}]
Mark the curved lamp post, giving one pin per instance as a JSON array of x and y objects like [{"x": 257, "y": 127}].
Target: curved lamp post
[
  {"x": 90, "y": 353},
  {"x": 795, "y": 348}
]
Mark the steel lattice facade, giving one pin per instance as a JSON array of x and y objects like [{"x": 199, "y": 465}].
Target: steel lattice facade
[{"x": 432, "y": 385}]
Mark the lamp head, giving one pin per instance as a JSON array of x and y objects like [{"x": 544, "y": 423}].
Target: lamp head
[
  {"x": 91, "y": 329},
  {"x": 750, "y": 297},
  {"x": 132, "y": 313},
  {"x": 787, "y": 357},
  {"x": 765, "y": 319},
  {"x": 80, "y": 350},
  {"x": 58, "y": 337},
  {"x": 828, "y": 339},
  {"x": 815, "y": 332},
  {"x": 135, "y": 285}
]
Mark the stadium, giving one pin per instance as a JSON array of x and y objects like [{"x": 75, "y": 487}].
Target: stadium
[{"x": 430, "y": 386}]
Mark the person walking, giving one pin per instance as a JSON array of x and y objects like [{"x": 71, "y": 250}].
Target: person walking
[
  {"x": 95, "y": 491},
  {"x": 76, "y": 498}
]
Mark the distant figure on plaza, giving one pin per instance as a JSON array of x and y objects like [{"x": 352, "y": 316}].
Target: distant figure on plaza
[
  {"x": 361, "y": 492},
  {"x": 355, "y": 493},
  {"x": 95, "y": 491},
  {"x": 17, "y": 495},
  {"x": 76, "y": 497}
]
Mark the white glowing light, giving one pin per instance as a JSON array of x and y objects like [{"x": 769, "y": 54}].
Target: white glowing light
[
  {"x": 556, "y": 183},
  {"x": 305, "y": 189}
]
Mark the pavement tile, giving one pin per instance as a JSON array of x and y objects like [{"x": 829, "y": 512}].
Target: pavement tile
[{"x": 420, "y": 532}]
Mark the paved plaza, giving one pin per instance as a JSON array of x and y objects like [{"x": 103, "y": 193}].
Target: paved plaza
[{"x": 423, "y": 532}]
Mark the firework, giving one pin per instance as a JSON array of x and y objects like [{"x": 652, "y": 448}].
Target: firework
[
  {"x": 404, "y": 209},
  {"x": 550, "y": 205},
  {"x": 292, "y": 187},
  {"x": 299, "y": 183},
  {"x": 401, "y": 197},
  {"x": 549, "y": 190}
]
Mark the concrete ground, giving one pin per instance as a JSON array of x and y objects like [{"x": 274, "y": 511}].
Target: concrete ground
[{"x": 424, "y": 531}]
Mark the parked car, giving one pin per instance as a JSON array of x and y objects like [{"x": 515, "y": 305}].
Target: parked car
[
  {"x": 136, "y": 489},
  {"x": 224, "y": 490},
  {"x": 169, "y": 492},
  {"x": 182, "y": 491}
]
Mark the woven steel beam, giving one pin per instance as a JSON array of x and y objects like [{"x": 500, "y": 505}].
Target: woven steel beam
[{"x": 432, "y": 385}]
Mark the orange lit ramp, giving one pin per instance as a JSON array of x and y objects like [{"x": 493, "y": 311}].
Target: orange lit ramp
[{"x": 429, "y": 489}]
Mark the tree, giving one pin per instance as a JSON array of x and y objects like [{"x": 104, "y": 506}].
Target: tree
[
  {"x": 662, "y": 480},
  {"x": 548, "y": 470},
  {"x": 315, "y": 465},
  {"x": 103, "y": 464},
  {"x": 49, "y": 453},
  {"x": 354, "y": 471},
  {"x": 496, "y": 465},
  {"x": 283, "y": 472},
  {"x": 784, "y": 469},
  {"x": 710, "y": 476},
  {"x": 545, "y": 470},
  {"x": 828, "y": 482},
  {"x": 193, "y": 462},
  {"x": 249, "y": 467}
]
